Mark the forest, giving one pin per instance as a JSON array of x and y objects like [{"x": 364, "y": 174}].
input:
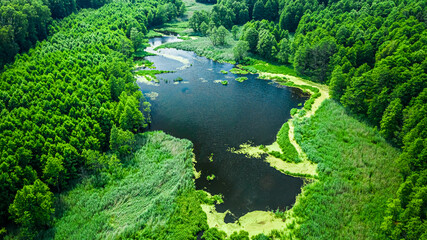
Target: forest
[
  {"x": 372, "y": 54},
  {"x": 68, "y": 100},
  {"x": 72, "y": 115}
]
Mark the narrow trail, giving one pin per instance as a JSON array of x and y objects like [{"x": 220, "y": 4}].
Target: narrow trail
[
  {"x": 324, "y": 91},
  {"x": 304, "y": 167},
  {"x": 297, "y": 147}
]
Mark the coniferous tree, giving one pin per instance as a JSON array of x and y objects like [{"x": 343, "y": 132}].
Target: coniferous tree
[
  {"x": 259, "y": 10},
  {"x": 251, "y": 36}
]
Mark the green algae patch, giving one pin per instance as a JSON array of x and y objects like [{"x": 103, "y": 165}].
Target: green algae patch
[
  {"x": 223, "y": 82},
  {"x": 254, "y": 223},
  {"x": 241, "y": 79},
  {"x": 304, "y": 168},
  {"x": 224, "y": 72},
  {"x": 196, "y": 173},
  {"x": 210, "y": 177},
  {"x": 248, "y": 150},
  {"x": 305, "y": 85},
  {"x": 238, "y": 71}
]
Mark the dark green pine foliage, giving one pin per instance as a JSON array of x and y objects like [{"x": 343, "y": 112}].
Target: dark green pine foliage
[
  {"x": 226, "y": 13},
  {"x": 24, "y": 22},
  {"x": 259, "y": 10},
  {"x": 373, "y": 56},
  {"x": 375, "y": 62},
  {"x": 251, "y": 36},
  {"x": 59, "y": 101},
  {"x": 293, "y": 10},
  {"x": 267, "y": 44}
]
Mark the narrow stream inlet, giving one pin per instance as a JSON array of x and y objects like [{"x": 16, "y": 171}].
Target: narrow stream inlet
[{"x": 215, "y": 118}]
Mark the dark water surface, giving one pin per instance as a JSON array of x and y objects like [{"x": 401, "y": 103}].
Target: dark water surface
[{"x": 216, "y": 117}]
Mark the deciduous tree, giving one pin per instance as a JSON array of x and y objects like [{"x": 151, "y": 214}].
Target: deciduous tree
[{"x": 33, "y": 206}]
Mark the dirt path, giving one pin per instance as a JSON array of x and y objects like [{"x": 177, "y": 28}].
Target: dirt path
[{"x": 304, "y": 167}]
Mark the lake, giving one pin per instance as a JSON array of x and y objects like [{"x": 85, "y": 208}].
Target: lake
[{"x": 218, "y": 117}]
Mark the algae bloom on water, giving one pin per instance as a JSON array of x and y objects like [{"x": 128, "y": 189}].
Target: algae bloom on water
[
  {"x": 210, "y": 177},
  {"x": 241, "y": 79},
  {"x": 225, "y": 82},
  {"x": 238, "y": 71},
  {"x": 224, "y": 72}
]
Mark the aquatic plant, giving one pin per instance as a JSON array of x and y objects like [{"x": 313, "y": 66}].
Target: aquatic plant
[
  {"x": 293, "y": 111},
  {"x": 241, "y": 79},
  {"x": 144, "y": 63},
  {"x": 210, "y": 177},
  {"x": 310, "y": 102},
  {"x": 224, "y": 72},
  {"x": 238, "y": 71},
  {"x": 225, "y": 82},
  {"x": 218, "y": 198}
]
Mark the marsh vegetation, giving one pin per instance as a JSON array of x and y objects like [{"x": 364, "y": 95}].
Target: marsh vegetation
[{"x": 74, "y": 162}]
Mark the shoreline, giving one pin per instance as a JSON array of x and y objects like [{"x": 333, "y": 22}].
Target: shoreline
[
  {"x": 257, "y": 222},
  {"x": 305, "y": 168}
]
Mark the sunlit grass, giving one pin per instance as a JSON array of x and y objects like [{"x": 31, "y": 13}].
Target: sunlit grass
[
  {"x": 258, "y": 65},
  {"x": 202, "y": 46},
  {"x": 151, "y": 195},
  {"x": 176, "y": 26},
  {"x": 193, "y": 6},
  {"x": 357, "y": 174}
]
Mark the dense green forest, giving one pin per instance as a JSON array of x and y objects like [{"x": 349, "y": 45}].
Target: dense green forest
[
  {"x": 61, "y": 102},
  {"x": 150, "y": 195},
  {"x": 24, "y": 22},
  {"x": 71, "y": 114},
  {"x": 373, "y": 56}
]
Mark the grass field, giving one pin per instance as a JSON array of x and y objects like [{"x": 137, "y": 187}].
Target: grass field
[
  {"x": 259, "y": 65},
  {"x": 193, "y": 6},
  {"x": 357, "y": 175},
  {"x": 151, "y": 195},
  {"x": 180, "y": 25},
  {"x": 202, "y": 46}
]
